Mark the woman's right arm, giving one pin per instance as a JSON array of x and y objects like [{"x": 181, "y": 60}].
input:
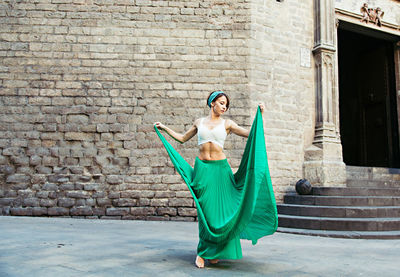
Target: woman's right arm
[{"x": 178, "y": 136}]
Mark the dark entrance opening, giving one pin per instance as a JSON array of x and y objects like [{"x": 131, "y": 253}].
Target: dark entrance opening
[{"x": 367, "y": 99}]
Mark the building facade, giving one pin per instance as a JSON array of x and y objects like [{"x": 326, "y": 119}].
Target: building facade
[{"x": 83, "y": 81}]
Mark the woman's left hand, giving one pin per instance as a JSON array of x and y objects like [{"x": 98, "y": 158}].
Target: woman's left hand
[{"x": 262, "y": 107}]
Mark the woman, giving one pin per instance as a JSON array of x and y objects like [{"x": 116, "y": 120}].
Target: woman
[{"x": 229, "y": 206}]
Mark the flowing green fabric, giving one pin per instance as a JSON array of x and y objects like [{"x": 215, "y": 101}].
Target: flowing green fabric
[{"x": 230, "y": 206}]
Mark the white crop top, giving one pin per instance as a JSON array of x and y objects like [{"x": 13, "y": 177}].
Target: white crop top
[{"x": 215, "y": 135}]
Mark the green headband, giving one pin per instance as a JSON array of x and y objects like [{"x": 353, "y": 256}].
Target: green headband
[{"x": 213, "y": 96}]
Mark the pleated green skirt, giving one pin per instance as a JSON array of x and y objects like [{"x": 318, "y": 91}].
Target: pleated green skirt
[{"x": 230, "y": 206}]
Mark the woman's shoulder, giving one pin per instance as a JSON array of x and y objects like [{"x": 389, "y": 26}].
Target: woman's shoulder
[
  {"x": 229, "y": 122},
  {"x": 197, "y": 121}
]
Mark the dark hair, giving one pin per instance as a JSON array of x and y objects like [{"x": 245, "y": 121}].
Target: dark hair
[{"x": 220, "y": 95}]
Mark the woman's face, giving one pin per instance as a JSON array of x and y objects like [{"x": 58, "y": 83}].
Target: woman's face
[{"x": 220, "y": 105}]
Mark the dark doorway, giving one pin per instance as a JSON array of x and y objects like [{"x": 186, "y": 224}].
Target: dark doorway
[{"x": 367, "y": 100}]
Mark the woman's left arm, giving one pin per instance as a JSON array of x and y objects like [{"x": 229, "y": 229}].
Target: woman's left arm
[
  {"x": 240, "y": 131},
  {"x": 237, "y": 130}
]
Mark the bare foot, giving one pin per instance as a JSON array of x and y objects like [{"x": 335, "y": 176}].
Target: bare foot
[
  {"x": 214, "y": 261},
  {"x": 199, "y": 262}
]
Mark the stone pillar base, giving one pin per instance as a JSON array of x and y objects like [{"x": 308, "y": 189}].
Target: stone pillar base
[{"x": 322, "y": 167}]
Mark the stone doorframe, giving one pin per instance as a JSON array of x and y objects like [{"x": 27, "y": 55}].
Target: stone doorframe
[
  {"x": 388, "y": 29},
  {"x": 323, "y": 160},
  {"x": 397, "y": 72}
]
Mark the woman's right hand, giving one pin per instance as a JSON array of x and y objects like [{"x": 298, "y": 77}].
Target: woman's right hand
[{"x": 159, "y": 125}]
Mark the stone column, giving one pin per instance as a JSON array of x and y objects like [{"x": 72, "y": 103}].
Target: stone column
[{"x": 323, "y": 165}]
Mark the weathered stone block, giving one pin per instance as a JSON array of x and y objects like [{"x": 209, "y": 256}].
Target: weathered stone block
[
  {"x": 178, "y": 187},
  {"x": 18, "y": 178},
  {"x": 99, "y": 194},
  {"x": 66, "y": 187},
  {"x": 20, "y": 186},
  {"x": 7, "y": 170},
  {"x": 42, "y": 194},
  {"x": 39, "y": 211},
  {"x": 114, "y": 179},
  {"x": 77, "y": 194},
  {"x": 159, "y": 202},
  {"x": 90, "y": 202},
  {"x": 171, "y": 179},
  {"x": 103, "y": 202},
  {"x": 25, "y": 193},
  {"x": 58, "y": 211},
  {"x": 19, "y": 161},
  {"x": 164, "y": 194},
  {"x": 131, "y": 194},
  {"x": 142, "y": 211},
  {"x": 79, "y": 136},
  {"x": 50, "y": 161},
  {"x": 99, "y": 211},
  {"x": 6, "y": 201},
  {"x": 143, "y": 170},
  {"x": 181, "y": 202},
  {"x": 92, "y": 187},
  {"x": 158, "y": 218},
  {"x": 50, "y": 187},
  {"x": 144, "y": 202},
  {"x": 117, "y": 211},
  {"x": 47, "y": 202},
  {"x": 183, "y": 194},
  {"x": 78, "y": 119},
  {"x": 66, "y": 202},
  {"x": 35, "y": 160},
  {"x": 166, "y": 211},
  {"x": 21, "y": 211},
  {"x": 5, "y": 210},
  {"x": 113, "y": 194},
  {"x": 31, "y": 202},
  {"x": 13, "y": 151},
  {"x": 187, "y": 211},
  {"x": 81, "y": 211},
  {"x": 80, "y": 202},
  {"x": 43, "y": 169},
  {"x": 126, "y": 202}
]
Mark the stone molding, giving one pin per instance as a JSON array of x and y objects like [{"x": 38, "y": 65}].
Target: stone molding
[
  {"x": 356, "y": 19},
  {"x": 323, "y": 165}
]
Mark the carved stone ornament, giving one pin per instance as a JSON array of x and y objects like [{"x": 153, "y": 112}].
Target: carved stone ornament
[{"x": 371, "y": 14}]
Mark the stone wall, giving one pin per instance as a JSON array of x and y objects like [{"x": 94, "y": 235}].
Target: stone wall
[
  {"x": 282, "y": 76},
  {"x": 82, "y": 81}
]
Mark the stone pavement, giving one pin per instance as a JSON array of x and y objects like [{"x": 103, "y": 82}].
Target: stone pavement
[{"x": 81, "y": 247}]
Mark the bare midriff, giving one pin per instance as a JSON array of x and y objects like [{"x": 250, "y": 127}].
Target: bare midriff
[{"x": 211, "y": 152}]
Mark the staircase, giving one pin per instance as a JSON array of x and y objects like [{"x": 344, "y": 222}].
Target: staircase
[{"x": 369, "y": 207}]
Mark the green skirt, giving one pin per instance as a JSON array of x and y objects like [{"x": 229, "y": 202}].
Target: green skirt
[{"x": 230, "y": 206}]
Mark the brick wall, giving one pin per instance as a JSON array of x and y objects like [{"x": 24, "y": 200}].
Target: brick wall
[{"x": 81, "y": 83}]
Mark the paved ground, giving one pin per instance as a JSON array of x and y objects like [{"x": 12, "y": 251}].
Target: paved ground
[{"x": 80, "y": 247}]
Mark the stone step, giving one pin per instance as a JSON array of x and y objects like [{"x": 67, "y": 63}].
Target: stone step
[
  {"x": 342, "y": 200},
  {"x": 343, "y": 234},
  {"x": 358, "y": 183},
  {"x": 373, "y": 173},
  {"x": 339, "y": 224},
  {"x": 339, "y": 211},
  {"x": 355, "y": 191},
  {"x": 378, "y": 177}
]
